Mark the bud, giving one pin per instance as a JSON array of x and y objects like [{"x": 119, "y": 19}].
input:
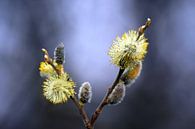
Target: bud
[
  {"x": 117, "y": 94},
  {"x": 85, "y": 93},
  {"x": 59, "y": 54},
  {"x": 131, "y": 74},
  {"x": 46, "y": 70}
]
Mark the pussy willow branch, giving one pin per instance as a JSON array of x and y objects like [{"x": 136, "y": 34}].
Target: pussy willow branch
[
  {"x": 89, "y": 123},
  {"x": 82, "y": 112},
  {"x": 104, "y": 102}
]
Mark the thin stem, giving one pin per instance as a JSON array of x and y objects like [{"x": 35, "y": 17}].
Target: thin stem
[
  {"x": 104, "y": 102},
  {"x": 82, "y": 113},
  {"x": 50, "y": 61}
]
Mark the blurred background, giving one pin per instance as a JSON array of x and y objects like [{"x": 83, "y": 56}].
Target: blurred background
[{"x": 163, "y": 96}]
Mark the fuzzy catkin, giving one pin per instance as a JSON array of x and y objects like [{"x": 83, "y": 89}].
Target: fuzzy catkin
[
  {"x": 131, "y": 74},
  {"x": 117, "y": 94},
  {"x": 58, "y": 89},
  {"x": 59, "y": 54},
  {"x": 85, "y": 93},
  {"x": 128, "y": 49}
]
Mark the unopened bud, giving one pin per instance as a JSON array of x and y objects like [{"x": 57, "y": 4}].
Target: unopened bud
[
  {"x": 117, "y": 94},
  {"x": 131, "y": 74},
  {"x": 59, "y": 54},
  {"x": 85, "y": 93}
]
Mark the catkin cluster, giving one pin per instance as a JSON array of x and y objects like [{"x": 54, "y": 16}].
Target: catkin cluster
[
  {"x": 127, "y": 52},
  {"x": 58, "y": 87}
]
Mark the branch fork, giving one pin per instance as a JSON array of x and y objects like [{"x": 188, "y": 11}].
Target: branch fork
[{"x": 89, "y": 122}]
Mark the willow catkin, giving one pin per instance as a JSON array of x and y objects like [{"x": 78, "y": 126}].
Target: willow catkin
[
  {"x": 117, "y": 94},
  {"x": 85, "y": 93},
  {"x": 59, "y": 54}
]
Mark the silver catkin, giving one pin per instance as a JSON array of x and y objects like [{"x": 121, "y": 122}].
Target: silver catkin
[
  {"x": 117, "y": 94},
  {"x": 85, "y": 93},
  {"x": 59, "y": 54}
]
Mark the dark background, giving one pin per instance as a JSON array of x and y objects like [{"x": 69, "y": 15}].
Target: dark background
[{"x": 162, "y": 98}]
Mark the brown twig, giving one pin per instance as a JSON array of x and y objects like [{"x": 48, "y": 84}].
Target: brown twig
[
  {"x": 105, "y": 99},
  {"x": 82, "y": 112}
]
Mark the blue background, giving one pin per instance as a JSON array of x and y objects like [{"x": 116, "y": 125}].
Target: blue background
[{"x": 163, "y": 96}]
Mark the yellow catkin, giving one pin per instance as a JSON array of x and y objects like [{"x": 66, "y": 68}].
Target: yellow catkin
[
  {"x": 46, "y": 70},
  {"x": 58, "y": 89},
  {"x": 128, "y": 50}
]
